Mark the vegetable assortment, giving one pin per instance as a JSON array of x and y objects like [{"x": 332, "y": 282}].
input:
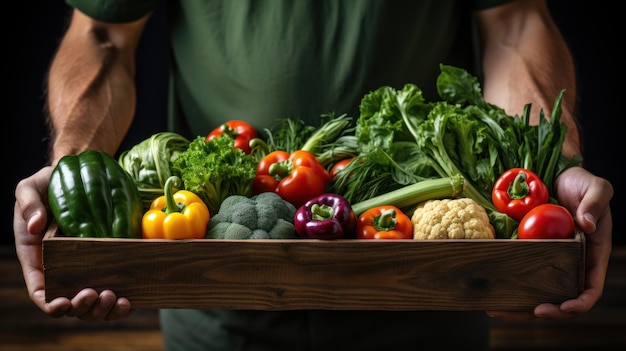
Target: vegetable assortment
[
  {"x": 405, "y": 139},
  {"x": 405, "y": 162}
]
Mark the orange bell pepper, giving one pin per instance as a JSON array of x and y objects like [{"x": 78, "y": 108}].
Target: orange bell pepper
[
  {"x": 182, "y": 215},
  {"x": 384, "y": 222}
]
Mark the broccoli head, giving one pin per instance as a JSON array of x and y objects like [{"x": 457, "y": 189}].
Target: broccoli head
[{"x": 263, "y": 216}]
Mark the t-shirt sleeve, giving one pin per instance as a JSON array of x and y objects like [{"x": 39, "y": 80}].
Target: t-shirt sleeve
[{"x": 114, "y": 11}]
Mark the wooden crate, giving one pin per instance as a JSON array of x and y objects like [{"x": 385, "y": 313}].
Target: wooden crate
[{"x": 315, "y": 274}]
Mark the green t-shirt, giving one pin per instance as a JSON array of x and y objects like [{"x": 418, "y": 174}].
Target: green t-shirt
[{"x": 263, "y": 60}]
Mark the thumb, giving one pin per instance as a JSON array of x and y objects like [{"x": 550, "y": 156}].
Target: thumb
[{"x": 594, "y": 205}]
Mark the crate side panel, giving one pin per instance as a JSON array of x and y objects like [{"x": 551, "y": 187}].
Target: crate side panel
[{"x": 303, "y": 274}]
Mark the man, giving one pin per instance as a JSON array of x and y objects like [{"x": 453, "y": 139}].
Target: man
[{"x": 261, "y": 60}]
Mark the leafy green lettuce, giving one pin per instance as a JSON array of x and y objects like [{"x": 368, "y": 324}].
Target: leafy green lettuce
[
  {"x": 404, "y": 139},
  {"x": 215, "y": 169}
]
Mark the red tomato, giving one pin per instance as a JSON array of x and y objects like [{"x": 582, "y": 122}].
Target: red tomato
[
  {"x": 340, "y": 165},
  {"x": 547, "y": 221}
]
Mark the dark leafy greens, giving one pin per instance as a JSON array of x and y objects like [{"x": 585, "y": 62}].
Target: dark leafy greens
[
  {"x": 332, "y": 140},
  {"x": 404, "y": 139}
]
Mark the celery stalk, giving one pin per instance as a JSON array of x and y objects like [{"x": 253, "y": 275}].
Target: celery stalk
[{"x": 437, "y": 188}]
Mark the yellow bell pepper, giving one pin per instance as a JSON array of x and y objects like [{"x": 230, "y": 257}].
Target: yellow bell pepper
[{"x": 180, "y": 215}]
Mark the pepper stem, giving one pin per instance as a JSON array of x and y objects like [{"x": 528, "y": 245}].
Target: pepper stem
[
  {"x": 228, "y": 130},
  {"x": 386, "y": 221},
  {"x": 258, "y": 148},
  {"x": 322, "y": 212},
  {"x": 171, "y": 206},
  {"x": 518, "y": 188},
  {"x": 281, "y": 169}
]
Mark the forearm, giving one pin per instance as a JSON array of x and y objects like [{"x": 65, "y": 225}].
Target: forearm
[
  {"x": 91, "y": 90},
  {"x": 526, "y": 61}
]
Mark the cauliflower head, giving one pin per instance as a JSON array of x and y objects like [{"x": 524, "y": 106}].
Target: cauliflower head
[{"x": 461, "y": 218}]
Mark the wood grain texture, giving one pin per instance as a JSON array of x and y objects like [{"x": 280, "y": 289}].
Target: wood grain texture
[
  {"x": 24, "y": 327},
  {"x": 315, "y": 274}
]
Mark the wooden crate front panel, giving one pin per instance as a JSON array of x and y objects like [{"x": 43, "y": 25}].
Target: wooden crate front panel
[{"x": 315, "y": 274}]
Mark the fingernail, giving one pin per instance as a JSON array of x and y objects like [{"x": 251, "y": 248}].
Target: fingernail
[
  {"x": 590, "y": 218},
  {"x": 106, "y": 300}
]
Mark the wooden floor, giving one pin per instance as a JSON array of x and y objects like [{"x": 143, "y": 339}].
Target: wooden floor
[{"x": 24, "y": 328}]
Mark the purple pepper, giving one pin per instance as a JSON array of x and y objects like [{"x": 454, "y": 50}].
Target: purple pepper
[{"x": 327, "y": 216}]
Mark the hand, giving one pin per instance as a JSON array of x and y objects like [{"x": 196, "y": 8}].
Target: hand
[
  {"x": 30, "y": 222},
  {"x": 588, "y": 199}
]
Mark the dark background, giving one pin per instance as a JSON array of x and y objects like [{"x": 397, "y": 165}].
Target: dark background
[{"x": 590, "y": 30}]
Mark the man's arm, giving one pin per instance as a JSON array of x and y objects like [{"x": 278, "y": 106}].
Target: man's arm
[
  {"x": 526, "y": 60},
  {"x": 91, "y": 88},
  {"x": 91, "y": 98}
]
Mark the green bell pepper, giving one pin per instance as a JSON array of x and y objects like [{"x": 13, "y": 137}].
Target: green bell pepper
[{"x": 91, "y": 195}]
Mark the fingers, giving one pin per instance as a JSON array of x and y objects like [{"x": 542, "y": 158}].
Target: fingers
[
  {"x": 87, "y": 305},
  {"x": 598, "y": 253},
  {"x": 121, "y": 309},
  {"x": 571, "y": 308},
  {"x": 29, "y": 224},
  {"x": 30, "y": 203},
  {"x": 594, "y": 205},
  {"x": 28, "y": 248},
  {"x": 544, "y": 311},
  {"x": 30, "y": 220},
  {"x": 56, "y": 308},
  {"x": 555, "y": 312},
  {"x": 90, "y": 306},
  {"x": 586, "y": 195}
]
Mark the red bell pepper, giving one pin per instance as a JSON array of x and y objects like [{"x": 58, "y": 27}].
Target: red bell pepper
[
  {"x": 296, "y": 177},
  {"x": 517, "y": 191},
  {"x": 242, "y": 132},
  {"x": 384, "y": 222}
]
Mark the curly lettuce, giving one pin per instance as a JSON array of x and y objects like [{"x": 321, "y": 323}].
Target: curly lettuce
[{"x": 215, "y": 170}]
